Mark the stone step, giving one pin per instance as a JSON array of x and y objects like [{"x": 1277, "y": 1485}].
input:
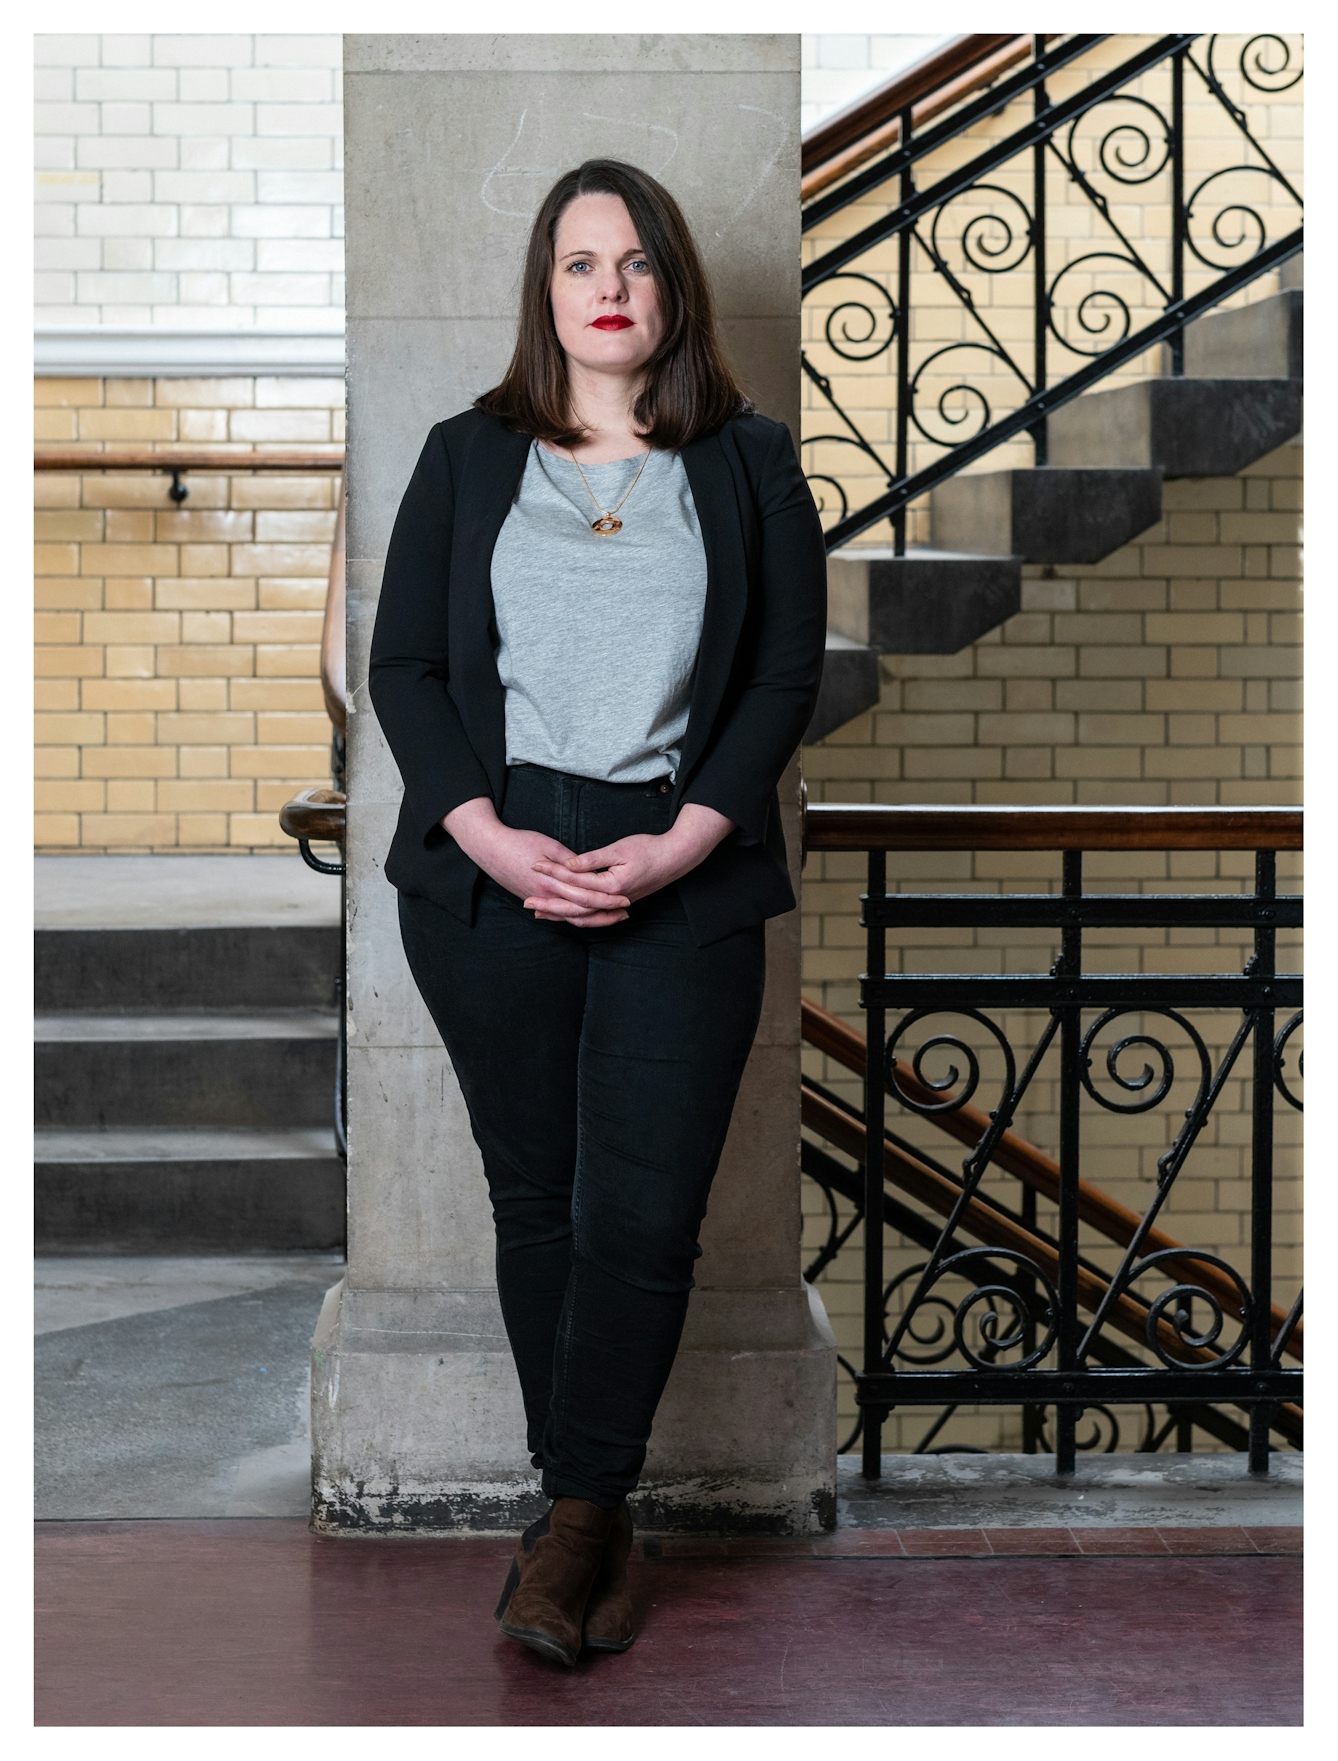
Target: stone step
[
  {"x": 1184, "y": 427},
  {"x": 180, "y": 891},
  {"x": 849, "y": 684},
  {"x": 255, "y": 1070},
  {"x": 925, "y": 602},
  {"x": 1046, "y": 515},
  {"x": 187, "y": 1191},
  {"x": 1260, "y": 341},
  {"x": 219, "y": 966}
]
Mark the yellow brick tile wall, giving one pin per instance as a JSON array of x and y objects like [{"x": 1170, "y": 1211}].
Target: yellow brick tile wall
[
  {"x": 1167, "y": 674},
  {"x": 177, "y": 654}
]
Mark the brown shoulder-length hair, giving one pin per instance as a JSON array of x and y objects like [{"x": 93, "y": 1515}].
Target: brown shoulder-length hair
[{"x": 688, "y": 389}]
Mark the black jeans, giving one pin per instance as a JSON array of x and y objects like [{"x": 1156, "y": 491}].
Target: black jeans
[{"x": 600, "y": 1068}]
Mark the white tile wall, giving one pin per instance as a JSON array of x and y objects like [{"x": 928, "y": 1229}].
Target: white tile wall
[
  {"x": 196, "y": 182},
  {"x": 837, "y": 70},
  {"x": 189, "y": 182}
]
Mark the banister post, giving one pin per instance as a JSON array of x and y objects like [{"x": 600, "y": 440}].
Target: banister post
[{"x": 1263, "y": 964}]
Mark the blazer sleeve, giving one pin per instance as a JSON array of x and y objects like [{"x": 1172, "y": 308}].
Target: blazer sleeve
[
  {"x": 782, "y": 661},
  {"x": 409, "y": 671}
]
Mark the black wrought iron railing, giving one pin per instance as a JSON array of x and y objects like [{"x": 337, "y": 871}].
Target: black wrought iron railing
[
  {"x": 906, "y": 314},
  {"x": 1028, "y": 1311}
]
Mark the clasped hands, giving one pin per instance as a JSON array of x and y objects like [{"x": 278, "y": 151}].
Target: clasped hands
[{"x": 594, "y": 889}]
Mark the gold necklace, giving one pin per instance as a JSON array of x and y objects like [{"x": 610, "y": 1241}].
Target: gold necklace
[{"x": 608, "y": 522}]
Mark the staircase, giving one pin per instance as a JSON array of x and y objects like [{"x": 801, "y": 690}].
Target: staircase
[
  {"x": 1230, "y": 392},
  {"x": 185, "y": 1074},
  {"x": 1111, "y": 451}
]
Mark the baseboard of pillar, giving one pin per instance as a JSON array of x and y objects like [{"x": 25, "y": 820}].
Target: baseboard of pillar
[{"x": 421, "y": 1431}]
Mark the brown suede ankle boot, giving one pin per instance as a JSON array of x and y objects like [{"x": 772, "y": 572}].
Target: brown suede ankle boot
[
  {"x": 608, "y": 1613},
  {"x": 546, "y": 1608}
]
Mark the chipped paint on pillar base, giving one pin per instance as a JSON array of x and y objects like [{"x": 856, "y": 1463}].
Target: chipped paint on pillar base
[
  {"x": 699, "y": 1507},
  {"x": 372, "y": 1508}
]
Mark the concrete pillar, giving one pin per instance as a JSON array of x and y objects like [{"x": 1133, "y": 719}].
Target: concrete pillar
[{"x": 416, "y": 1412}]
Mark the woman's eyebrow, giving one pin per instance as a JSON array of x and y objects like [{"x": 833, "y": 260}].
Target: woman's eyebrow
[{"x": 631, "y": 251}]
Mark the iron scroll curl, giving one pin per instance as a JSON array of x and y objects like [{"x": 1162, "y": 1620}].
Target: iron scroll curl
[
  {"x": 1101, "y": 312},
  {"x": 930, "y": 1333},
  {"x": 990, "y": 242},
  {"x": 1126, "y": 152},
  {"x": 973, "y": 396},
  {"x": 1159, "y": 1081},
  {"x": 1172, "y": 1307},
  {"x": 999, "y": 1336},
  {"x": 1251, "y": 227},
  {"x": 1280, "y": 1045},
  {"x": 837, "y": 325},
  {"x": 952, "y": 1042},
  {"x": 1251, "y": 66}
]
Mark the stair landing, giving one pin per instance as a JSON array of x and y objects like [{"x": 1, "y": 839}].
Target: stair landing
[{"x": 180, "y": 892}]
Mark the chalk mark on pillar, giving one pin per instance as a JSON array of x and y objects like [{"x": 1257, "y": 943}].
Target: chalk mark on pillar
[
  {"x": 655, "y": 128},
  {"x": 740, "y": 206},
  {"x": 502, "y": 169}
]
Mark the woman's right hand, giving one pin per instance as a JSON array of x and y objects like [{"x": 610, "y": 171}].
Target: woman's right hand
[{"x": 509, "y": 856}]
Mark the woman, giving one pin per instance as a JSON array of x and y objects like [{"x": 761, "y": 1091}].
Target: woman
[{"x": 599, "y": 642}]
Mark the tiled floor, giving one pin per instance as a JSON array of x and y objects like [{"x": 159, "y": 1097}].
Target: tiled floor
[
  {"x": 988, "y": 1543},
  {"x": 254, "y": 1622}
]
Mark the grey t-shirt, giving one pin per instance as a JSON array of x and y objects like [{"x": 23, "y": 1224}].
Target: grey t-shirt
[{"x": 598, "y": 636}]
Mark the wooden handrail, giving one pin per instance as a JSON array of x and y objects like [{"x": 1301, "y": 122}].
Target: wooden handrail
[
  {"x": 873, "y": 125},
  {"x": 334, "y": 640},
  {"x": 1015, "y": 1156},
  {"x": 183, "y": 458},
  {"x": 318, "y": 815},
  {"x": 841, "y": 826}
]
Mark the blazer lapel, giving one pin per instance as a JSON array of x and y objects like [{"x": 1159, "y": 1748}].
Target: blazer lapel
[
  {"x": 711, "y": 479},
  {"x": 483, "y": 497}
]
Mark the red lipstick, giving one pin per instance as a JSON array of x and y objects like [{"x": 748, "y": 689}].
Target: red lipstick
[{"x": 612, "y": 321}]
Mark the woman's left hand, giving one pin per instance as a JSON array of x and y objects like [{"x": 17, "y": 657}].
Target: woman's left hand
[{"x": 636, "y": 866}]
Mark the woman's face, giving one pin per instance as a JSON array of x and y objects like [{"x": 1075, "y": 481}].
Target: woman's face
[{"x": 605, "y": 306}]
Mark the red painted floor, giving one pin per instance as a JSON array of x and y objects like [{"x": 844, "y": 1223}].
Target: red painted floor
[{"x": 260, "y": 1623}]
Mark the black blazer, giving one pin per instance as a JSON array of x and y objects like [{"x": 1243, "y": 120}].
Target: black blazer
[{"x": 433, "y": 674}]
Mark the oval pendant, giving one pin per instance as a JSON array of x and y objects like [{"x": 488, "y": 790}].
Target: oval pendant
[{"x": 607, "y": 523}]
